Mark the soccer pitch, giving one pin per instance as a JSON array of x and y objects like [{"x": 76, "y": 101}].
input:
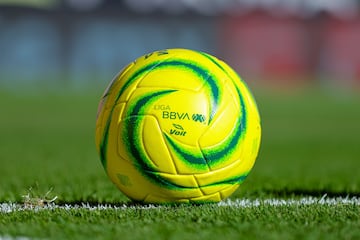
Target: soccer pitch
[{"x": 305, "y": 183}]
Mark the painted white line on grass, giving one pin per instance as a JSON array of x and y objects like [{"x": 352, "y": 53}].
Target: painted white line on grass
[
  {"x": 291, "y": 202},
  {"x": 239, "y": 203},
  {"x": 14, "y": 238}
]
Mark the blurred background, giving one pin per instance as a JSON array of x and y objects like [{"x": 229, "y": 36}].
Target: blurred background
[
  {"x": 301, "y": 59},
  {"x": 85, "y": 42}
]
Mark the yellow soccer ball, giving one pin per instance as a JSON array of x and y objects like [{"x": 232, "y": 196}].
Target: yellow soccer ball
[{"x": 177, "y": 125}]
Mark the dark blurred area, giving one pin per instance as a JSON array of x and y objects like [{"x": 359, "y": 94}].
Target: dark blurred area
[{"x": 86, "y": 42}]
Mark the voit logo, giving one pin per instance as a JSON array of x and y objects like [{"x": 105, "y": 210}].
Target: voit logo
[{"x": 178, "y": 130}]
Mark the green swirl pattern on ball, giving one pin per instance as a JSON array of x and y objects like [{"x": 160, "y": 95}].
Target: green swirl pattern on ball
[
  {"x": 134, "y": 116},
  {"x": 133, "y": 132},
  {"x": 210, "y": 83},
  {"x": 220, "y": 152},
  {"x": 213, "y": 155}
]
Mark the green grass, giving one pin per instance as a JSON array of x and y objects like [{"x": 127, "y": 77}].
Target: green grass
[
  {"x": 310, "y": 147},
  {"x": 189, "y": 222}
]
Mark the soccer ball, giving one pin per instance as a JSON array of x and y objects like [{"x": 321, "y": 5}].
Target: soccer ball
[{"x": 177, "y": 125}]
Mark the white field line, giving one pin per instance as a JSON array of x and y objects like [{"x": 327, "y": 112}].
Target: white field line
[{"x": 238, "y": 203}]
